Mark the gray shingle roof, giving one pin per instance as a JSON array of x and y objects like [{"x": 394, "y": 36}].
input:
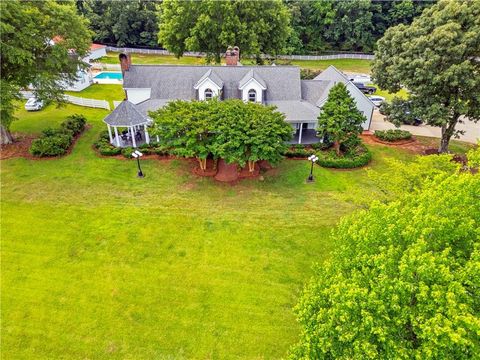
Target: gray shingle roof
[
  {"x": 177, "y": 82},
  {"x": 297, "y": 110},
  {"x": 126, "y": 114},
  {"x": 212, "y": 75},
  {"x": 251, "y": 75},
  {"x": 151, "y": 105},
  {"x": 314, "y": 91}
]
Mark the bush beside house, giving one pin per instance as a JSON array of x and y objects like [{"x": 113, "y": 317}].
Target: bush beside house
[
  {"x": 393, "y": 135},
  {"x": 56, "y": 142}
]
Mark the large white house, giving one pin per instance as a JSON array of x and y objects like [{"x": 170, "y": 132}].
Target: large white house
[{"x": 150, "y": 87}]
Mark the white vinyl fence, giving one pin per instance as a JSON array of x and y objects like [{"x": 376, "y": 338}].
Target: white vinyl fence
[
  {"x": 102, "y": 104},
  {"x": 284, "y": 57}
]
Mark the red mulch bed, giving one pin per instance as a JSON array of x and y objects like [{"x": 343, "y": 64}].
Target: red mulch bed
[
  {"x": 413, "y": 146},
  {"x": 395, "y": 143},
  {"x": 21, "y": 147}
]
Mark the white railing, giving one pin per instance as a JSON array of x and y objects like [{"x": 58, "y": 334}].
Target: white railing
[
  {"x": 284, "y": 57},
  {"x": 102, "y": 104}
]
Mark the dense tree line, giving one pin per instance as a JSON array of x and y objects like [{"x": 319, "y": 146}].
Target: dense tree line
[
  {"x": 348, "y": 25},
  {"x": 274, "y": 26},
  {"x": 122, "y": 23}
]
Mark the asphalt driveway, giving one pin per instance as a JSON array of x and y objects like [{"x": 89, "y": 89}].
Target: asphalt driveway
[{"x": 472, "y": 130}]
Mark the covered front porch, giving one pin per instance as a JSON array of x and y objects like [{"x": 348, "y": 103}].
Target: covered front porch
[
  {"x": 304, "y": 133},
  {"x": 127, "y": 126}
]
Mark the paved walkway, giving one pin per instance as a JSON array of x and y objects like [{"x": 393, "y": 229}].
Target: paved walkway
[{"x": 472, "y": 130}]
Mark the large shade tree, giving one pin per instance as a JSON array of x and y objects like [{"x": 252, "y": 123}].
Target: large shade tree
[
  {"x": 29, "y": 57},
  {"x": 339, "y": 118},
  {"x": 404, "y": 282},
  {"x": 211, "y": 26},
  {"x": 238, "y": 132},
  {"x": 437, "y": 59}
]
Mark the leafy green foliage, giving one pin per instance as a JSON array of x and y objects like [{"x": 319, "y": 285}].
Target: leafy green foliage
[
  {"x": 356, "y": 157},
  {"x": 435, "y": 58},
  {"x": 28, "y": 57},
  {"x": 347, "y": 25},
  {"x": 339, "y": 118},
  {"x": 393, "y": 134},
  {"x": 211, "y": 26},
  {"x": 55, "y": 142},
  {"x": 399, "y": 111},
  {"x": 404, "y": 281},
  {"x": 122, "y": 23},
  {"x": 233, "y": 130},
  {"x": 473, "y": 157}
]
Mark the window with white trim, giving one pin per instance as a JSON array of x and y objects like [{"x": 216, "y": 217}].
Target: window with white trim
[
  {"x": 208, "y": 94},
  {"x": 252, "y": 95}
]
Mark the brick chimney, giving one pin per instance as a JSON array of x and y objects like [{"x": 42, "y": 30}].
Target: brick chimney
[
  {"x": 125, "y": 62},
  {"x": 232, "y": 56}
]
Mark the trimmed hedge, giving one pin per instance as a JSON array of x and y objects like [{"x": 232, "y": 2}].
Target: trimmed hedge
[
  {"x": 298, "y": 151},
  {"x": 106, "y": 149},
  {"x": 392, "y": 135},
  {"x": 357, "y": 157},
  {"x": 55, "y": 142}
]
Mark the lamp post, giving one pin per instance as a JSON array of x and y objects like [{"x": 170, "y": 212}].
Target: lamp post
[
  {"x": 136, "y": 154},
  {"x": 313, "y": 159}
]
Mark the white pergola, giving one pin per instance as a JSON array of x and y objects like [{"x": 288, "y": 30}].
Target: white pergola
[{"x": 126, "y": 115}]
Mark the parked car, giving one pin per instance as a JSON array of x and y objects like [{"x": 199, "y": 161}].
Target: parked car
[
  {"x": 361, "y": 78},
  {"x": 33, "y": 104},
  {"x": 364, "y": 88},
  {"x": 377, "y": 100}
]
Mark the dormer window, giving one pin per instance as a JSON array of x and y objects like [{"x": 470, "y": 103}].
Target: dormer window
[
  {"x": 208, "y": 94},
  {"x": 252, "y": 95}
]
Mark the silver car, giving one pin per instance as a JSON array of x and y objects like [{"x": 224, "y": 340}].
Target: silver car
[
  {"x": 33, "y": 104},
  {"x": 377, "y": 100}
]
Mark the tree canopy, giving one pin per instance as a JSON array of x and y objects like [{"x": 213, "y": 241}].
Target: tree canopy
[
  {"x": 404, "y": 282},
  {"x": 339, "y": 117},
  {"x": 436, "y": 59},
  {"x": 30, "y": 58},
  {"x": 235, "y": 131},
  {"x": 211, "y": 26},
  {"x": 122, "y": 23}
]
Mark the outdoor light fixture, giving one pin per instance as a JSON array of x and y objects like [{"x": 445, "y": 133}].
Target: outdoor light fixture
[
  {"x": 313, "y": 159},
  {"x": 137, "y": 154}
]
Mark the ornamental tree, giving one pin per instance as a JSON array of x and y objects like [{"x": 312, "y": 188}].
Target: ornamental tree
[
  {"x": 186, "y": 128},
  {"x": 29, "y": 57},
  {"x": 436, "y": 59},
  {"x": 235, "y": 131},
  {"x": 339, "y": 118},
  {"x": 404, "y": 282}
]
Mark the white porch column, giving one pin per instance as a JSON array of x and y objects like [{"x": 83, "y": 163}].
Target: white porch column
[
  {"x": 158, "y": 139},
  {"x": 110, "y": 133},
  {"x": 300, "y": 133},
  {"x": 133, "y": 137},
  {"x": 116, "y": 136},
  {"x": 147, "y": 137}
]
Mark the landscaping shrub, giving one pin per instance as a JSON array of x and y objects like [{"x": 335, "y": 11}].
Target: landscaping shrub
[
  {"x": 55, "y": 142},
  {"x": 109, "y": 150},
  {"x": 53, "y": 145},
  {"x": 127, "y": 152},
  {"x": 393, "y": 135},
  {"x": 299, "y": 151},
  {"x": 75, "y": 123},
  {"x": 357, "y": 157}
]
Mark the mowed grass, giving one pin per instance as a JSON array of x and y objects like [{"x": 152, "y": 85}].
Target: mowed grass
[
  {"x": 97, "y": 264},
  {"x": 348, "y": 65}
]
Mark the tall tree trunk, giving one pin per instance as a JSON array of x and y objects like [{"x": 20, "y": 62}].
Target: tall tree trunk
[
  {"x": 447, "y": 132},
  {"x": 336, "y": 146},
  {"x": 202, "y": 163},
  {"x": 5, "y": 135},
  {"x": 251, "y": 166}
]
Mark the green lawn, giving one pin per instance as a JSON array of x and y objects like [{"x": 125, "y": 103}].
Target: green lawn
[
  {"x": 97, "y": 264},
  {"x": 101, "y": 92},
  {"x": 348, "y": 65}
]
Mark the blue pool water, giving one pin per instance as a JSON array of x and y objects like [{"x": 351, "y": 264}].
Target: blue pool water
[{"x": 109, "y": 75}]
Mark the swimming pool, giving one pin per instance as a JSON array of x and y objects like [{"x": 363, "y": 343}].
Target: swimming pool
[{"x": 109, "y": 75}]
